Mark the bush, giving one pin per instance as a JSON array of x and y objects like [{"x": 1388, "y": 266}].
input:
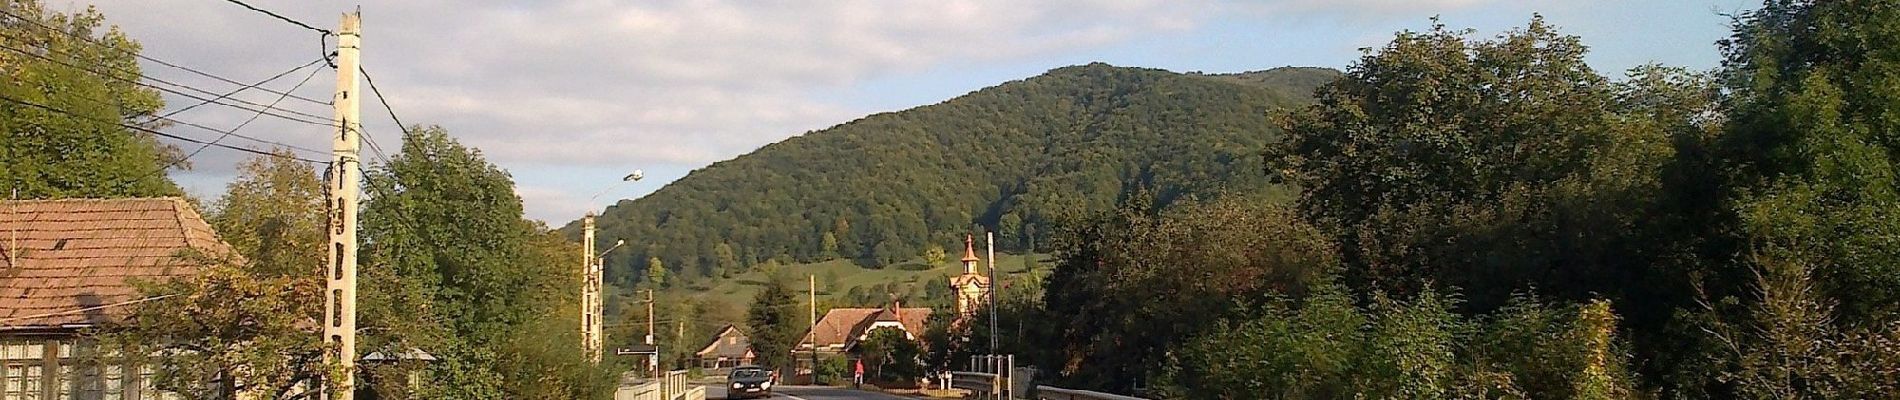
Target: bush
[
  {"x": 1418, "y": 349},
  {"x": 833, "y": 370}
]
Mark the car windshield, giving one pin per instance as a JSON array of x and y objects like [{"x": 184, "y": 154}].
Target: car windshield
[{"x": 748, "y": 373}]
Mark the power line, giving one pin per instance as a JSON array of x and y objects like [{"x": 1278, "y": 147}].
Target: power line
[
  {"x": 392, "y": 114},
  {"x": 263, "y": 109},
  {"x": 247, "y": 87},
  {"x": 151, "y": 131},
  {"x": 227, "y": 133},
  {"x": 206, "y": 128},
  {"x": 281, "y": 17},
  {"x": 43, "y": 25}
]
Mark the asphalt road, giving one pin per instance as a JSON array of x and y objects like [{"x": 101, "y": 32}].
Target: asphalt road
[{"x": 717, "y": 391}]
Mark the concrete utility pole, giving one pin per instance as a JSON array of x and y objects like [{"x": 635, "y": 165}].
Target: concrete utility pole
[
  {"x": 653, "y": 362},
  {"x": 339, "y": 328},
  {"x": 990, "y": 238},
  {"x": 813, "y": 293},
  {"x": 590, "y": 293},
  {"x": 592, "y": 309}
]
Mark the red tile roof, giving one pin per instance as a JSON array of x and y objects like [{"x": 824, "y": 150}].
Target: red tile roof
[
  {"x": 842, "y": 325},
  {"x": 61, "y": 256}
]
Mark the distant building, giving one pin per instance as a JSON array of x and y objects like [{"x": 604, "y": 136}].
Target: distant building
[
  {"x": 67, "y": 266},
  {"x": 842, "y": 328},
  {"x": 730, "y": 348},
  {"x": 971, "y": 288}
]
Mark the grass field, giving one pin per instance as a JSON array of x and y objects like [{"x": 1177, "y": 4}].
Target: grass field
[{"x": 836, "y": 279}]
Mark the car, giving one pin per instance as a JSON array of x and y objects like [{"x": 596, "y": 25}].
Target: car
[{"x": 748, "y": 382}]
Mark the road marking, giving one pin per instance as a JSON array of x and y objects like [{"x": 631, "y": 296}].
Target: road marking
[{"x": 791, "y": 396}]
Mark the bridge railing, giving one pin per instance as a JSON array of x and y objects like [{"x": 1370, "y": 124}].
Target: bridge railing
[
  {"x": 987, "y": 377},
  {"x": 1056, "y": 393},
  {"x": 670, "y": 386},
  {"x": 996, "y": 377}
]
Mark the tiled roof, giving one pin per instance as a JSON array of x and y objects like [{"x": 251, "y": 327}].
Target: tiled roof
[
  {"x": 841, "y": 325},
  {"x": 719, "y": 348},
  {"x": 835, "y": 327},
  {"x": 59, "y": 256}
]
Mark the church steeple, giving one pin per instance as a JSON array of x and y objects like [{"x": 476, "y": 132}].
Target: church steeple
[
  {"x": 969, "y": 254},
  {"x": 972, "y": 289}
]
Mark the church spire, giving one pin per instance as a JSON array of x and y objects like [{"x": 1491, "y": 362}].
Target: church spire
[{"x": 969, "y": 254}]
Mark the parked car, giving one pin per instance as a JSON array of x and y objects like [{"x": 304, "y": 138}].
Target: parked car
[{"x": 748, "y": 382}]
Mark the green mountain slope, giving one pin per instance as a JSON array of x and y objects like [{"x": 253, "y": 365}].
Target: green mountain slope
[{"x": 884, "y": 187}]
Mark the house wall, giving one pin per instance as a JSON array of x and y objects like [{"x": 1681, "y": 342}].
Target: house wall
[{"x": 60, "y": 367}]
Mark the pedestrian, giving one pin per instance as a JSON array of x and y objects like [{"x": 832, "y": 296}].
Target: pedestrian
[{"x": 857, "y": 375}]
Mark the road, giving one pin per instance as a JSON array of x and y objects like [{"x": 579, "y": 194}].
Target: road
[{"x": 716, "y": 391}]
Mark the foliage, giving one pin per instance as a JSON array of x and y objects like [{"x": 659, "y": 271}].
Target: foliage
[
  {"x": 197, "y": 340},
  {"x": 273, "y": 215},
  {"x": 1812, "y": 149},
  {"x": 890, "y": 355},
  {"x": 459, "y": 273},
  {"x": 202, "y": 345},
  {"x": 656, "y": 272},
  {"x": 51, "y": 154},
  {"x": 885, "y": 186},
  {"x": 775, "y": 324},
  {"x": 1130, "y": 283},
  {"x": 833, "y": 370},
  {"x": 1326, "y": 347},
  {"x": 934, "y": 256}
]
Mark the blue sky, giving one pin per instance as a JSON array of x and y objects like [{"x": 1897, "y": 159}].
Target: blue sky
[{"x": 570, "y": 95}]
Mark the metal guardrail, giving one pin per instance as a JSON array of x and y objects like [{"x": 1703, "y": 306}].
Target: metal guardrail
[{"x": 1056, "y": 393}]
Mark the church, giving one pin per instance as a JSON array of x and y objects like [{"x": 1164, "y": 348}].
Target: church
[{"x": 971, "y": 288}]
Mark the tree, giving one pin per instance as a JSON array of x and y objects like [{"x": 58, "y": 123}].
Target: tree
[
  {"x": 201, "y": 344},
  {"x": 934, "y": 256},
  {"x": 273, "y": 214},
  {"x": 1480, "y": 164},
  {"x": 828, "y": 247},
  {"x": 239, "y": 326},
  {"x": 1129, "y": 281},
  {"x": 461, "y": 274},
  {"x": 774, "y": 323},
  {"x": 1811, "y": 144},
  {"x": 82, "y": 150},
  {"x": 656, "y": 272},
  {"x": 725, "y": 260},
  {"x": 891, "y": 355}
]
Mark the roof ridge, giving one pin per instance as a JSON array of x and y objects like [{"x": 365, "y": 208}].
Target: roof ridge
[{"x": 96, "y": 199}]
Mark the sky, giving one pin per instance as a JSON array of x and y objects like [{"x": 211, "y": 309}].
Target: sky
[{"x": 571, "y": 95}]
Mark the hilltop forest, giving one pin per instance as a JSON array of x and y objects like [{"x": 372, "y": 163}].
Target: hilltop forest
[{"x": 883, "y": 188}]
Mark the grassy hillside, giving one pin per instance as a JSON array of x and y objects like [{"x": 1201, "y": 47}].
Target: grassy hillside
[{"x": 843, "y": 283}]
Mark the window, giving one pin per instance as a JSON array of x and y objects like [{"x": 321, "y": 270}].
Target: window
[{"x": 24, "y": 364}]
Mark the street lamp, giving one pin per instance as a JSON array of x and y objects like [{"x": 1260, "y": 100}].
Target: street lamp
[{"x": 591, "y": 274}]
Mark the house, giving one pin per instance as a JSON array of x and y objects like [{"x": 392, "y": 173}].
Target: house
[
  {"x": 730, "y": 348},
  {"x": 841, "y": 329},
  {"x": 67, "y": 266}
]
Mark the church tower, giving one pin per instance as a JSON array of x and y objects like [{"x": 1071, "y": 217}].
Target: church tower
[{"x": 972, "y": 288}]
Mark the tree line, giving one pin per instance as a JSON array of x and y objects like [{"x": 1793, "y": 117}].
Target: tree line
[{"x": 1490, "y": 217}]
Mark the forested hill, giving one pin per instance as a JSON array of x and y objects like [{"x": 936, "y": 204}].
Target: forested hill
[{"x": 882, "y": 188}]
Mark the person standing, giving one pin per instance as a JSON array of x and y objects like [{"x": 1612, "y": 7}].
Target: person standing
[{"x": 857, "y": 374}]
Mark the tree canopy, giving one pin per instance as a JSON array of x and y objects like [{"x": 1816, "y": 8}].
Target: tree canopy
[{"x": 68, "y": 91}]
